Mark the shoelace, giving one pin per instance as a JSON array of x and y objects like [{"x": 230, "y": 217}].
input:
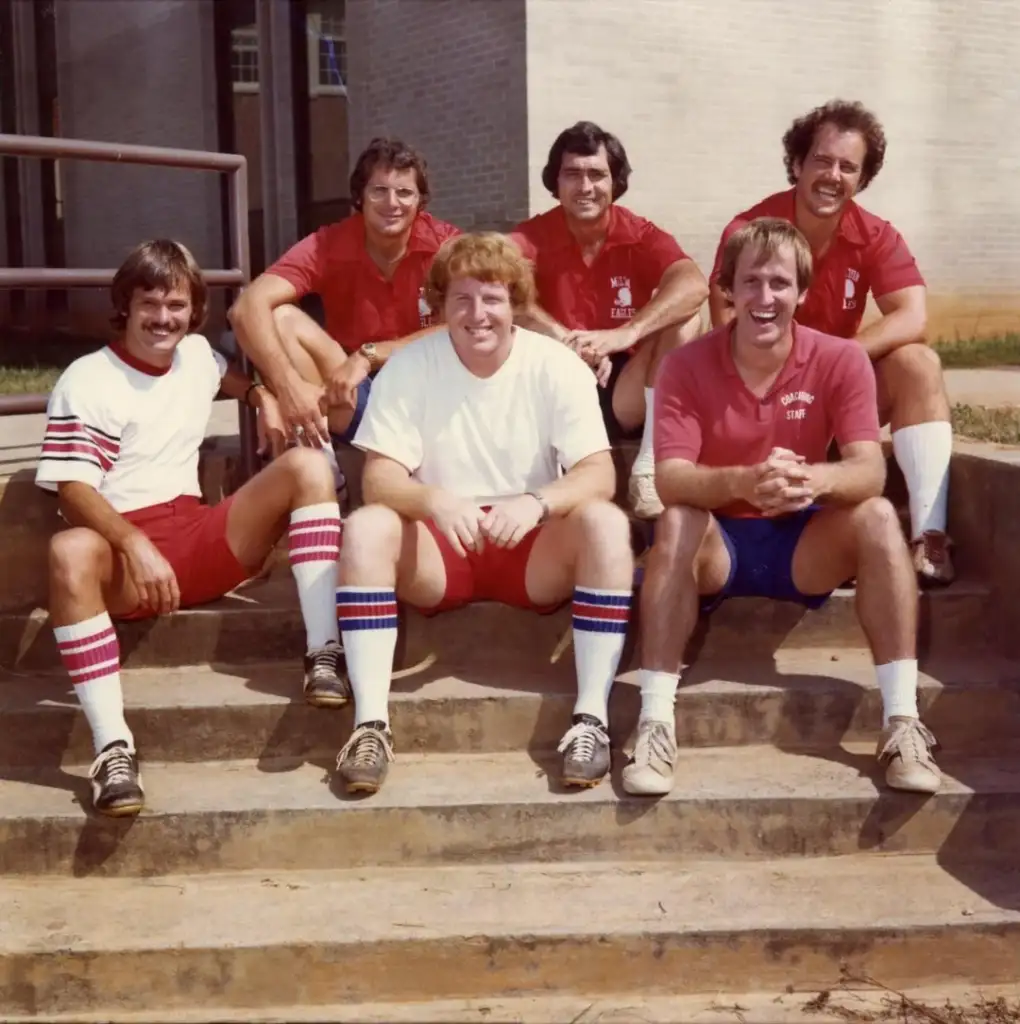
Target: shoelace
[
  {"x": 369, "y": 746},
  {"x": 325, "y": 662},
  {"x": 114, "y": 765},
  {"x": 653, "y": 742},
  {"x": 905, "y": 741},
  {"x": 582, "y": 739}
]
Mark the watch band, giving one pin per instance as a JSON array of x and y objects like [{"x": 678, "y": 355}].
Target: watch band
[{"x": 545, "y": 505}]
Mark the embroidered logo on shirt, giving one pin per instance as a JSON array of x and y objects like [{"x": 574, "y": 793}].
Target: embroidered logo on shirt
[
  {"x": 623, "y": 304},
  {"x": 850, "y": 288},
  {"x": 801, "y": 398}
]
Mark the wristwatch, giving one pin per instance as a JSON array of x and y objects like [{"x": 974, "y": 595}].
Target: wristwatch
[
  {"x": 371, "y": 353},
  {"x": 545, "y": 505}
]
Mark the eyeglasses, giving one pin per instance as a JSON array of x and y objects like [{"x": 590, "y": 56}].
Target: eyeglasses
[{"x": 379, "y": 194}]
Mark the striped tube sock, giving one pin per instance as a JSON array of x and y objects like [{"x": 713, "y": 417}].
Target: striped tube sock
[
  {"x": 368, "y": 627},
  {"x": 314, "y": 547},
  {"x": 91, "y": 654},
  {"x": 600, "y": 628}
]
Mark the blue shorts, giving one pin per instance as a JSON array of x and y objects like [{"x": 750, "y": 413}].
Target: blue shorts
[
  {"x": 364, "y": 390},
  {"x": 761, "y": 559}
]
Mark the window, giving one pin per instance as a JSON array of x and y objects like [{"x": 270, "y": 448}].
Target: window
[
  {"x": 244, "y": 59},
  {"x": 327, "y": 55}
]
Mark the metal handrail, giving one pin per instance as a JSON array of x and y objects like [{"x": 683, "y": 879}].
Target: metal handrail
[{"x": 236, "y": 168}]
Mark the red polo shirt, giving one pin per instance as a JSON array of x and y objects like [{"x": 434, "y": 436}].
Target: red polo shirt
[
  {"x": 706, "y": 414},
  {"x": 867, "y": 254},
  {"x": 360, "y": 304},
  {"x": 619, "y": 282}
]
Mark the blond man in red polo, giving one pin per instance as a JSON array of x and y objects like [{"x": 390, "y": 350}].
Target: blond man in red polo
[
  {"x": 744, "y": 419},
  {"x": 612, "y": 285},
  {"x": 833, "y": 153}
]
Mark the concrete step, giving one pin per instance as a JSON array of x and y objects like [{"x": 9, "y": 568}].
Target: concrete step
[
  {"x": 268, "y": 938},
  {"x": 796, "y": 699},
  {"x": 261, "y": 622},
  {"x": 850, "y": 1000},
  {"x": 440, "y": 809}
]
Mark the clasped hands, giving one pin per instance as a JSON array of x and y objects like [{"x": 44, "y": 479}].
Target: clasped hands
[
  {"x": 468, "y": 527},
  {"x": 782, "y": 484},
  {"x": 596, "y": 348}
]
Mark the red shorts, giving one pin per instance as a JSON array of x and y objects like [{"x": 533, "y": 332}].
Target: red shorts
[
  {"x": 497, "y": 574},
  {"x": 192, "y": 537}
]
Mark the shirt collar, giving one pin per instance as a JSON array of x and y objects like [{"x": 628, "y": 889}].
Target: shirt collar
[
  {"x": 851, "y": 222},
  {"x": 620, "y": 231},
  {"x": 804, "y": 344}
]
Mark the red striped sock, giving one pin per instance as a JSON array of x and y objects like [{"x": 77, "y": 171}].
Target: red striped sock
[{"x": 314, "y": 546}]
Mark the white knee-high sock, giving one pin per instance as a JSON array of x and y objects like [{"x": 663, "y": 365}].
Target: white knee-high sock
[
  {"x": 644, "y": 464},
  {"x": 658, "y": 695},
  {"x": 90, "y": 652},
  {"x": 600, "y": 629},
  {"x": 923, "y": 452},
  {"x": 314, "y": 549},
  {"x": 897, "y": 680},
  {"x": 368, "y": 627}
]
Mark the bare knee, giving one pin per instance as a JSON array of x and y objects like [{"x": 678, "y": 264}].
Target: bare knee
[
  {"x": 915, "y": 367},
  {"x": 308, "y": 470},
  {"x": 679, "y": 532},
  {"x": 373, "y": 534},
  {"x": 79, "y": 561},
  {"x": 877, "y": 525},
  {"x": 285, "y": 318},
  {"x": 602, "y": 523}
]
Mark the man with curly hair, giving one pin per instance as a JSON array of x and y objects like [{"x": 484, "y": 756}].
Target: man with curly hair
[
  {"x": 613, "y": 286},
  {"x": 832, "y": 153},
  {"x": 488, "y": 477}
]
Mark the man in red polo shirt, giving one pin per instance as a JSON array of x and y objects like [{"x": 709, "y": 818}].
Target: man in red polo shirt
[
  {"x": 369, "y": 270},
  {"x": 611, "y": 285},
  {"x": 744, "y": 419},
  {"x": 833, "y": 153}
]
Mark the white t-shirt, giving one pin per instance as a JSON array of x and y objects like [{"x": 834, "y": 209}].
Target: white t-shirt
[
  {"x": 488, "y": 438},
  {"x": 131, "y": 433}
]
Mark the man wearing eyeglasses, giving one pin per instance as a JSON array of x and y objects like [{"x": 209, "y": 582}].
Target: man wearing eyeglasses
[{"x": 369, "y": 271}]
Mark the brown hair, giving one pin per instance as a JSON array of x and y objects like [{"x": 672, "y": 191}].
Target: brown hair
[
  {"x": 847, "y": 117},
  {"x": 485, "y": 256},
  {"x": 766, "y": 235},
  {"x": 584, "y": 139},
  {"x": 161, "y": 264},
  {"x": 391, "y": 154}
]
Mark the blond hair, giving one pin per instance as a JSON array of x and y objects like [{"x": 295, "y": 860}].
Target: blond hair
[{"x": 766, "y": 235}]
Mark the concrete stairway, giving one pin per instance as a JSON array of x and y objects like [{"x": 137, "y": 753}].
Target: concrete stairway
[{"x": 471, "y": 888}]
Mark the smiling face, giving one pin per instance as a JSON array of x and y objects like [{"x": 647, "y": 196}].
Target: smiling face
[
  {"x": 585, "y": 185},
  {"x": 390, "y": 201},
  {"x": 479, "y": 316},
  {"x": 766, "y": 294},
  {"x": 830, "y": 174},
  {"x": 157, "y": 320}
]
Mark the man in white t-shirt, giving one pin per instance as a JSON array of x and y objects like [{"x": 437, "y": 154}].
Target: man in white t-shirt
[
  {"x": 489, "y": 477},
  {"x": 121, "y": 450}
]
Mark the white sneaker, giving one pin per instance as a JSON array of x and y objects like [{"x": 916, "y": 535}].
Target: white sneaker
[
  {"x": 644, "y": 499},
  {"x": 652, "y": 759}
]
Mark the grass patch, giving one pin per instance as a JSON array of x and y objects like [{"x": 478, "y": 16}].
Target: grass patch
[
  {"x": 27, "y": 380},
  {"x": 1000, "y": 426},
  {"x": 974, "y": 353}
]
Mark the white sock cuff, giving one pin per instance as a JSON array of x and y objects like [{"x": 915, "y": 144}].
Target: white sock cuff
[
  {"x": 920, "y": 431},
  {"x": 324, "y": 510},
  {"x": 598, "y": 592},
  {"x": 80, "y": 630},
  {"x": 659, "y": 683}
]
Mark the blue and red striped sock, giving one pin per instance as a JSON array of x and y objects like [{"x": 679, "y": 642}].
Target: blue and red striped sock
[
  {"x": 367, "y": 617},
  {"x": 600, "y": 629}
]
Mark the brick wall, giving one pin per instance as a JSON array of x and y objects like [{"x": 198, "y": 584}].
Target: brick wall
[
  {"x": 702, "y": 91},
  {"x": 448, "y": 76}
]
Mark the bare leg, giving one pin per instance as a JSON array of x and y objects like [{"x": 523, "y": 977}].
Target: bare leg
[
  {"x": 383, "y": 555},
  {"x": 913, "y": 399}
]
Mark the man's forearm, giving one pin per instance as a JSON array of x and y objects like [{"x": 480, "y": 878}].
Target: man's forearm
[
  {"x": 83, "y": 505},
  {"x": 592, "y": 479},
  {"x": 681, "y": 294},
  {"x": 535, "y": 318},
  {"x": 255, "y": 328},
  {"x": 705, "y": 487},
  {"x": 891, "y": 332},
  {"x": 848, "y": 482},
  {"x": 405, "y": 496},
  {"x": 384, "y": 349},
  {"x": 719, "y": 307}
]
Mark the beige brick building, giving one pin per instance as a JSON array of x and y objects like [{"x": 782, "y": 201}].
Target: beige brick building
[{"x": 701, "y": 92}]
